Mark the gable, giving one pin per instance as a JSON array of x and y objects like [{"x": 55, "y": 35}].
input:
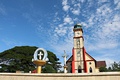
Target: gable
[
  {"x": 88, "y": 57},
  {"x": 69, "y": 60}
]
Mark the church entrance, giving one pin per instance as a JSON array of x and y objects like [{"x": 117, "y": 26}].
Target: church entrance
[{"x": 79, "y": 69}]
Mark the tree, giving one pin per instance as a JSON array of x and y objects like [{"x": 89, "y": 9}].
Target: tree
[
  {"x": 103, "y": 69},
  {"x": 116, "y": 66},
  {"x": 19, "y": 58}
]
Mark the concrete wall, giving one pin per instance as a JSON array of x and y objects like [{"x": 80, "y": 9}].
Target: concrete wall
[{"x": 81, "y": 76}]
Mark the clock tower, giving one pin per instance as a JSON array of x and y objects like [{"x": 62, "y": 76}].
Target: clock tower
[
  {"x": 81, "y": 61},
  {"x": 78, "y": 62}
]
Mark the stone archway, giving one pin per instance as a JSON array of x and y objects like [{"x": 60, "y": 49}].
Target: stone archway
[{"x": 79, "y": 69}]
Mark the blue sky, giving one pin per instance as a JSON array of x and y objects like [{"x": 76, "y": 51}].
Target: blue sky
[{"x": 49, "y": 24}]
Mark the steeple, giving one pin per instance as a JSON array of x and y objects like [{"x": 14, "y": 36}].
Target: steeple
[
  {"x": 81, "y": 61},
  {"x": 78, "y": 54}
]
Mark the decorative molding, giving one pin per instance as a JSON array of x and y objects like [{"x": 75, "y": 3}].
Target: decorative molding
[
  {"x": 78, "y": 30},
  {"x": 78, "y": 37}
]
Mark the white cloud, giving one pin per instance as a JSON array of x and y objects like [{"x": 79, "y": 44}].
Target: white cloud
[
  {"x": 116, "y": 18},
  {"x": 118, "y": 6},
  {"x": 76, "y": 12},
  {"x": 84, "y": 24},
  {"x": 104, "y": 10},
  {"x": 76, "y": 8},
  {"x": 60, "y": 31},
  {"x": 65, "y": 5},
  {"x": 100, "y": 44},
  {"x": 100, "y": 26},
  {"x": 64, "y": 2},
  {"x": 103, "y": 33},
  {"x": 101, "y": 1},
  {"x": 67, "y": 19},
  {"x": 116, "y": 1}
]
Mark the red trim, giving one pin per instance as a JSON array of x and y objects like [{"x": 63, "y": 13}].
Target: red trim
[
  {"x": 73, "y": 53},
  {"x": 73, "y": 67},
  {"x": 89, "y": 60},
  {"x": 73, "y": 61},
  {"x": 78, "y": 37},
  {"x": 85, "y": 63},
  {"x": 78, "y": 48}
]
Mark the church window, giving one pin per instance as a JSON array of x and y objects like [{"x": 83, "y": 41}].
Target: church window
[
  {"x": 78, "y": 44},
  {"x": 90, "y": 69},
  {"x": 90, "y": 63}
]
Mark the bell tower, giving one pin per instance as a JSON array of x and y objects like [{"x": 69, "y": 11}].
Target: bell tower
[{"x": 78, "y": 57}]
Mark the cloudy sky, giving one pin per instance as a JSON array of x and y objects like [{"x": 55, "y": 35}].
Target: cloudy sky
[{"x": 49, "y": 24}]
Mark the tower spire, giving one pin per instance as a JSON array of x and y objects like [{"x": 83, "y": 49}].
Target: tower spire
[{"x": 78, "y": 61}]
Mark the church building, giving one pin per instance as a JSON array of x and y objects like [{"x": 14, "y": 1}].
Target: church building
[{"x": 81, "y": 61}]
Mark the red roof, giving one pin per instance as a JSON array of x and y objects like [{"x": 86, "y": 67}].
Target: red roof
[{"x": 100, "y": 64}]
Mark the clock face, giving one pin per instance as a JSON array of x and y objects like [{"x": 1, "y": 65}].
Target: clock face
[{"x": 78, "y": 33}]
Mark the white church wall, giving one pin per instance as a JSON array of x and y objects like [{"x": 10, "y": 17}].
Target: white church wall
[{"x": 92, "y": 65}]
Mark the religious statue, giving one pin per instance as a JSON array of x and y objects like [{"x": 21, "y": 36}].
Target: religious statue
[
  {"x": 65, "y": 66},
  {"x": 40, "y": 58}
]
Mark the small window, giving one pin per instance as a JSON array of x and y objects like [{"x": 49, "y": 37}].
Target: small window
[{"x": 90, "y": 63}]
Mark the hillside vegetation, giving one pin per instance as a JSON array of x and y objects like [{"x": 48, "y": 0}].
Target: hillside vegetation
[{"x": 19, "y": 58}]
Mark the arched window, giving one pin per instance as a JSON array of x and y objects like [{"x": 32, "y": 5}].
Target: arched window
[
  {"x": 78, "y": 43},
  {"x": 90, "y": 69},
  {"x": 79, "y": 69}
]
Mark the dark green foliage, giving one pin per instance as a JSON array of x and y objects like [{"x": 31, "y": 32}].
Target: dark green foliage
[
  {"x": 48, "y": 69},
  {"x": 19, "y": 58},
  {"x": 103, "y": 69},
  {"x": 53, "y": 61},
  {"x": 114, "y": 67}
]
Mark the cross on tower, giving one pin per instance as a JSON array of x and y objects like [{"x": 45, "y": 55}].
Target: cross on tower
[{"x": 40, "y": 55}]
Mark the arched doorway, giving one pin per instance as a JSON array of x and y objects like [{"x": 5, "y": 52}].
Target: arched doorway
[
  {"x": 90, "y": 70},
  {"x": 79, "y": 69}
]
